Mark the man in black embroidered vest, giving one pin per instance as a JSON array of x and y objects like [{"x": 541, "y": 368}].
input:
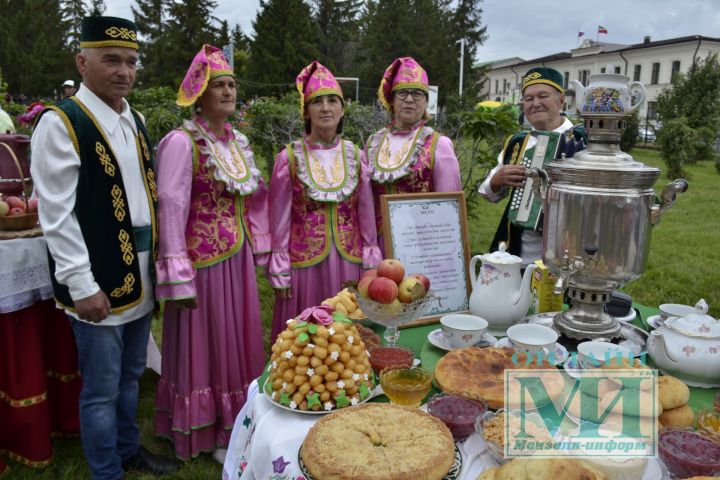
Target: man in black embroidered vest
[
  {"x": 93, "y": 170},
  {"x": 543, "y": 99}
]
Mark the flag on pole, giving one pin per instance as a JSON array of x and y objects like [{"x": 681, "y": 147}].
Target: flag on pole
[
  {"x": 602, "y": 29},
  {"x": 581, "y": 33}
]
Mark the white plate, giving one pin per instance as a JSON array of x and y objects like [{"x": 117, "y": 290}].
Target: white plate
[
  {"x": 438, "y": 339},
  {"x": 560, "y": 353},
  {"x": 373, "y": 393}
]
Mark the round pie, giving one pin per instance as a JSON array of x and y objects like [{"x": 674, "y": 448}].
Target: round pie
[
  {"x": 479, "y": 373},
  {"x": 378, "y": 441}
]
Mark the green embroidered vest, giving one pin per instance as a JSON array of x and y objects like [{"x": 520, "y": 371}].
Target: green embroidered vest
[{"x": 102, "y": 209}]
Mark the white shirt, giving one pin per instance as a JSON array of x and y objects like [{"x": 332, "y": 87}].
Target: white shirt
[
  {"x": 531, "y": 240},
  {"x": 55, "y": 168}
]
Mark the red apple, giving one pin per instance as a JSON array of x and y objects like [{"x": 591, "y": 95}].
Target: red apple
[
  {"x": 364, "y": 284},
  {"x": 16, "y": 211},
  {"x": 423, "y": 279},
  {"x": 15, "y": 202},
  {"x": 4, "y": 208},
  {"x": 32, "y": 205},
  {"x": 372, "y": 273},
  {"x": 392, "y": 269},
  {"x": 410, "y": 289},
  {"x": 383, "y": 290}
]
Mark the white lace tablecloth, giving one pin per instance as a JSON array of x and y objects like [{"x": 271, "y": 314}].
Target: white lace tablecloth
[
  {"x": 266, "y": 439},
  {"x": 24, "y": 273}
]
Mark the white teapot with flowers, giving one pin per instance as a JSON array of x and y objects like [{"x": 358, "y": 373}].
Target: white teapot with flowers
[{"x": 688, "y": 347}]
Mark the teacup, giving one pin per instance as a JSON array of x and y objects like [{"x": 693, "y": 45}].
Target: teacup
[
  {"x": 463, "y": 330},
  {"x": 668, "y": 310},
  {"x": 594, "y": 354},
  {"x": 532, "y": 338}
]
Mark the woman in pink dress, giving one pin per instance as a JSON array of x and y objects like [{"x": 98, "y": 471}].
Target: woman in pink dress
[
  {"x": 408, "y": 156},
  {"x": 213, "y": 233},
  {"x": 322, "y": 219}
]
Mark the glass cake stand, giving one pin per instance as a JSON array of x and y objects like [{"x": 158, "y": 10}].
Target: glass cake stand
[{"x": 391, "y": 316}]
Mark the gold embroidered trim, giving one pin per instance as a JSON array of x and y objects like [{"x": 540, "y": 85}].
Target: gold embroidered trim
[
  {"x": 150, "y": 189},
  {"x": 126, "y": 247},
  {"x": 69, "y": 127},
  {"x": 143, "y": 145},
  {"x": 25, "y": 461},
  {"x": 152, "y": 184},
  {"x": 23, "y": 402},
  {"x": 126, "y": 288},
  {"x": 63, "y": 377},
  {"x": 104, "y": 159},
  {"x": 118, "y": 203},
  {"x": 123, "y": 32},
  {"x": 110, "y": 43}
]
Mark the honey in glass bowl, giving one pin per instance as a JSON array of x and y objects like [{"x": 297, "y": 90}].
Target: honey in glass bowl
[{"x": 406, "y": 386}]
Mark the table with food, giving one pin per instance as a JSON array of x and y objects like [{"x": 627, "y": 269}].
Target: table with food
[
  {"x": 548, "y": 373},
  {"x": 320, "y": 410}
]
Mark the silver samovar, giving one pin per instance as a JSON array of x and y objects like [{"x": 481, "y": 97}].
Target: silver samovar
[{"x": 599, "y": 210}]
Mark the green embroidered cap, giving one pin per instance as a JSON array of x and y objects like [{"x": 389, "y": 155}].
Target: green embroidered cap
[
  {"x": 99, "y": 32},
  {"x": 548, "y": 76}
]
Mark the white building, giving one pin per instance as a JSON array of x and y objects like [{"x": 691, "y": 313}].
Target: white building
[{"x": 651, "y": 63}]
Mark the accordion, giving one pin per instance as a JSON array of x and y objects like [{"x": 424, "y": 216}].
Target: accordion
[{"x": 525, "y": 208}]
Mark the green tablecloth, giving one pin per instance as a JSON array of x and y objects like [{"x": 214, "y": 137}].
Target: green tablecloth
[{"x": 416, "y": 338}]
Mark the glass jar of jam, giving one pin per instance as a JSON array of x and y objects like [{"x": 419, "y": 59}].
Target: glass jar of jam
[
  {"x": 458, "y": 413},
  {"x": 688, "y": 453},
  {"x": 386, "y": 357}
]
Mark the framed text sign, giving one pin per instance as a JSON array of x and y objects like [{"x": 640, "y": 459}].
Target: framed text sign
[{"x": 428, "y": 233}]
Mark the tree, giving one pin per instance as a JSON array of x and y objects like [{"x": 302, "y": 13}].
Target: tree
[
  {"x": 188, "y": 27},
  {"x": 223, "y": 37},
  {"x": 337, "y": 23},
  {"x": 33, "y": 51},
  {"x": 426, "y": 30},
  {"x": 690, "y": 115},
  {"x": 97, "y": 7},
  {"x": 285, "y": 42},
  {"x": 73, "y": 12},
  {"x": 240, "y": 40},
  {"x": 150, "y": 17}
]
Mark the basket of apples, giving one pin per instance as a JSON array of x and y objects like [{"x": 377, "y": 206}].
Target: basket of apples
[
  {"x": 18, "y": 213},
  {"x": 390, "y": 298}
]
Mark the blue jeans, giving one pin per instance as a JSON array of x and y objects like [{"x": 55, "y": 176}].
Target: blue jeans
[{"x": 111, "y": 361}]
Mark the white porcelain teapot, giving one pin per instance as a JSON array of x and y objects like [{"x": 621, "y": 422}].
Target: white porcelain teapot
[
  {"x": 688, "y": 347},
  {"x": 499, "y": 294},
  {"x": 607, "y": 93}
]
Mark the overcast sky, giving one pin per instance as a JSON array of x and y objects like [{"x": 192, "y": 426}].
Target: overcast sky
[{"x": 535, "y": 28}]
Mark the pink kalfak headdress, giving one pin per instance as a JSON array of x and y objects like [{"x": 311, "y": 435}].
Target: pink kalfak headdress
[
  {"x": 207, "y": 64},
  {"x": 314, "y": 81},
  {"x": 403, "y": 72}
]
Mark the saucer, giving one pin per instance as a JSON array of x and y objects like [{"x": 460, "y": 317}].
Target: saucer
[
  {"x": 560, "y": 353},
  {"x": 655, "y": 321},
  {"x": 572, "y": 367},
  {"x": 627, "y": 318},
  {"x": 438, "y": 339}
]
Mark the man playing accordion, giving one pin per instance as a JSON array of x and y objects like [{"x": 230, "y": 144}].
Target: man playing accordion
[{"x": 552, "y": 136}]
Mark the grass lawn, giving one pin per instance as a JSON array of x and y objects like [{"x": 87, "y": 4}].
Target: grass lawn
[{"x": 683, "y": 266}]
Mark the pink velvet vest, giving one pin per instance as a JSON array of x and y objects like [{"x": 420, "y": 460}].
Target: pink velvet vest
[
  {"x": 216, "y": 225},
  {"x": 317, "y": 225}
]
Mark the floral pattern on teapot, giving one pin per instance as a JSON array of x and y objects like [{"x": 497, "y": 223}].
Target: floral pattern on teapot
[{"x": 603, "y": 100}]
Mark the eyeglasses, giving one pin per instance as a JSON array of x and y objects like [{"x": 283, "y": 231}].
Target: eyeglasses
[{"x": 417, "y": 95}]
